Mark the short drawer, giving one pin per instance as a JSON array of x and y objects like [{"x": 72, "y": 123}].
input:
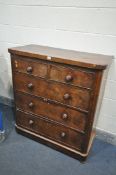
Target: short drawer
[
  {"x": 50, "y": 130},
  {"x": 72, "y": 96},
  {"x": 64, "y": 115},
  {"x": 78, "y": 77},
  {"x": 28, "y": 66}
]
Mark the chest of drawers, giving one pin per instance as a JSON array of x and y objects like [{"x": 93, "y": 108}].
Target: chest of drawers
[{"x": 57, "y": 95}]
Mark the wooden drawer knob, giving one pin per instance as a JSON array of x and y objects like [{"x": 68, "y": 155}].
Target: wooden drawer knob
[
  {"x": 68, "y": 78},
  {"x": 31, "y": 105},
  {"x": 64, "y": 116},
  {"x": 63, "y": 134},
  {"x": 30, "y": 86},
  {"x": 29, "y": 69},
  {"x": 31, "y": 122},
  {"x": 67, "y": 96}
]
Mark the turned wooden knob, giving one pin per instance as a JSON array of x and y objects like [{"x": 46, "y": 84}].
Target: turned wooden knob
[
  {"x": 31, "y": 122},
  {"x": 64, "y": 116},
  {"x": 30, "y": 86},
  {"x": 31, "y": 105},
  {"x": 68, "y": 78},
  {"x": 29, "y": 69},
  {"x": 67, "y": 96},
  {"x": 63, "y": 134}
]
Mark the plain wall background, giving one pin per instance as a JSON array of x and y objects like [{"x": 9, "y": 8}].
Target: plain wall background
[{"x": 83, "y": 25}]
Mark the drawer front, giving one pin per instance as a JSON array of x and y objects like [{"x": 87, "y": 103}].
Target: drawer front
[
  {"x": 64, "y": 115},
  {"x": 30, "y": 67},
  {"x": 69, "y": 95},
  {"x": 50, "y": 130},
  {"x": 76, "y": 77}
]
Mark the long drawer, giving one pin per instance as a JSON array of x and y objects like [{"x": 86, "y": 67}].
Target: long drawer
[
  {"x": 50, "y": 130},
  {"x": 64, "y": 115},
  {"x": 65, "y": 94},
  {"x": 56, "y": 72}
]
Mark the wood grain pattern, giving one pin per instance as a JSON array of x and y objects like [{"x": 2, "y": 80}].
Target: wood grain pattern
[
  {"x": 22, "y": 65},
  {"x": 72, "y": 96},
  {"x": 79, "y": 77},
  {"x": 56, "y": 93},
  {"x": 88, "y": 60},
  {"x": 50, "y": 130},
  {"x": 68, "y": 117}
]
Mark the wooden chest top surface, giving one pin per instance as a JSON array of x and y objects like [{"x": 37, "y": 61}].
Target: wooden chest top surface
[{"x": 82, "y": 59}]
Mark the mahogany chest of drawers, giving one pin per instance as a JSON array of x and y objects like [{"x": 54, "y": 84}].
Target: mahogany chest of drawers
[{"x": 57, "y": 95}]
